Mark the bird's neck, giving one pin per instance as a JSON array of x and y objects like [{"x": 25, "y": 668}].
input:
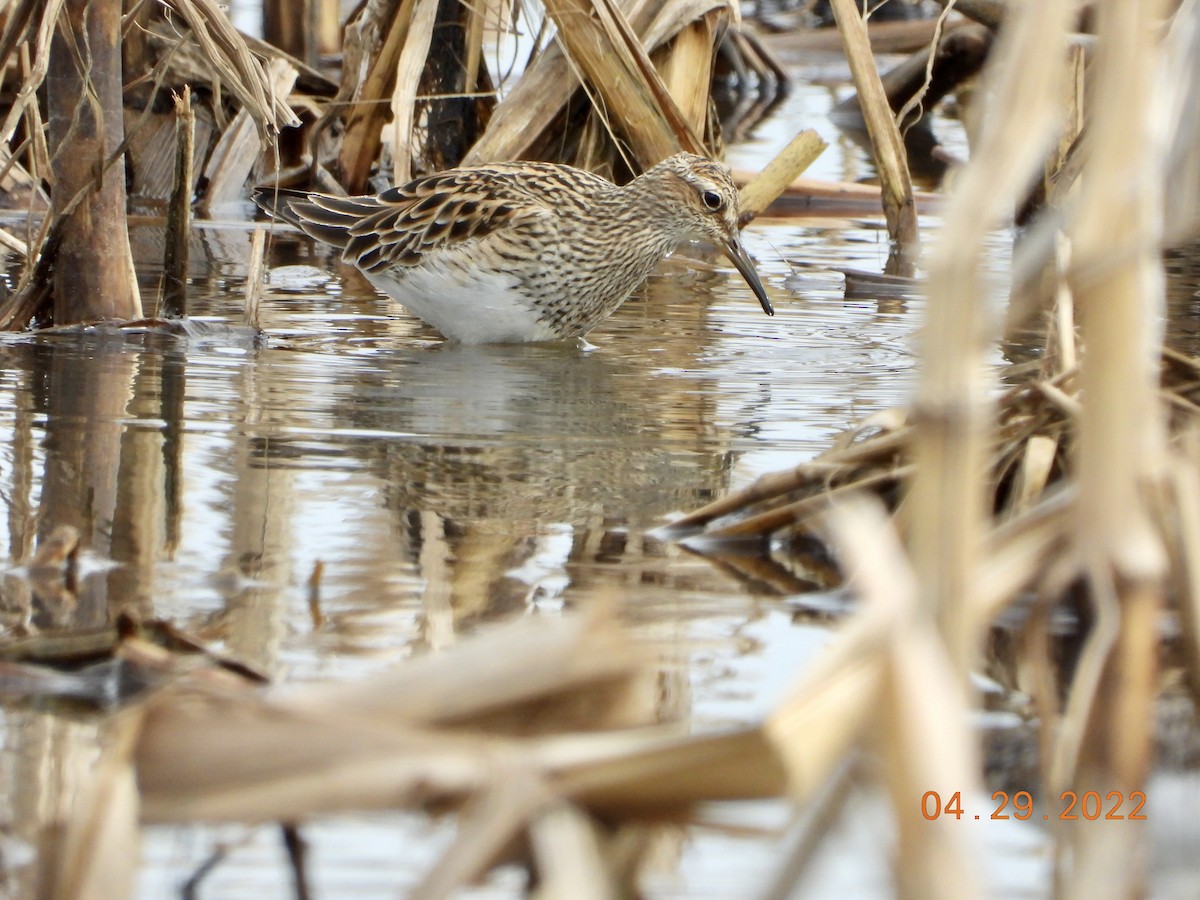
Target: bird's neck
[{"x": 643, "y": 208}]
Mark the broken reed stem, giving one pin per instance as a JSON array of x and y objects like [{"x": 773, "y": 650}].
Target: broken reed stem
[
  {"x": 94, "y": 276},
  {"x": 891, "y": 160},
  {"x": 179, "y": 212},
  {"x": 780, "y": 172},
  {"x": 1185, "y": 531},
  {"x": 254, "y": 276}
]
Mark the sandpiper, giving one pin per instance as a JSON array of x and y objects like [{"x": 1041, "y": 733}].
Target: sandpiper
[{"x": 523, "y": 251}]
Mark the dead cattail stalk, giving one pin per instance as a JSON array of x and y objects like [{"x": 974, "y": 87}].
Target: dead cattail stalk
[
  {"x": 891, "y": 159},
  {"x": 365, "y": 96},
  {"x": 95, "y": 853},
  {"x": 488, "y": 824},
  {"x": 1184, "y": 525},
  {"x": 685, "y": 66},
  {"x": 408, "y": 76},
  {"x": 179, "y": 212},
  {"x": 236, "y": 152},
  {"x": 611, "y": 57},
  {"x": 94, "y": 277},
  {"x": 568, "y": 848}
]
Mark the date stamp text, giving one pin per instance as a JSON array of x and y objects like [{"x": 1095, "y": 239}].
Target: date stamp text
[{"x": 1090, "y": 806}]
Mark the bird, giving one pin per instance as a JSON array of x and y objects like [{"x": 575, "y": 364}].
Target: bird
[{"x": 514, "y": 252}]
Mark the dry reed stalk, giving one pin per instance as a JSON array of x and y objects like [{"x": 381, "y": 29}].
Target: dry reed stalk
[
  {"x": 1020, "y": 553},
  {"x": 891, "y": 159},
  {"x": 660, "y": 771},
  {"x": 365, "y": 95},
  {"x": 234, "y": 67},
  {"x": 527, "y": 110},
  {"x": 1042, "y": 251},
  {"x": 179, "y": 211},
  {"x": 947, "y": 503},
  {"x": 632, "y": 98},
  {"x": 213, "y": 756},
  {"x": 207, "y": 751},
  {"x": 1183, "y": 524},
  {"x": 408, "y": 78},
  {"x": 808, "y": 196},
  {"x": 569, "y": 855},
  {"x": 255, "y": 271},
  {"x": 1182, "y": 93},
  {"x": 479, "y": 676},
  {"x": 780, "y": 517},
  {"x": 828, "y": 469},
  {"x": 97, "y": 848},
  {"x": 549, "y": 81},
  {"x": 909, "y": 36},
  {"x": 93, "y": 276},
  {"x": 235, "y": 154},
  {"x": 1118, "y": 281},
  {"x": 685, "y": 67},
  {"x": 799, "y": 847},
  {"x": 489, "y": 824},
  {"x": 800, "y": 153},
  {"x": 19, "y": 30},
  {"x": 922, "y": 731},
  {"x": 16, "y": 245},
  {"x": 832, "y": 706},
  {"x": 39, "y": 165},
  {"x": 473, "y": 63}
]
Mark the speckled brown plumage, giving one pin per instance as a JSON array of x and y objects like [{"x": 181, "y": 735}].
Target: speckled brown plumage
[{"x": 524, "y": 251}]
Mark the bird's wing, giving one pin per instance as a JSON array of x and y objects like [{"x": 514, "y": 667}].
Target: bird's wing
[{"x": 401, "y": 225}]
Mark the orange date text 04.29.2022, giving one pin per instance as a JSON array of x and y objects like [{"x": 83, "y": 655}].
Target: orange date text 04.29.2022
[{"x": 1089, "y": 805}]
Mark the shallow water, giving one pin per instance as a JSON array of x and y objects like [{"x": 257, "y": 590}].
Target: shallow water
[{"x": 440, "y": 487}]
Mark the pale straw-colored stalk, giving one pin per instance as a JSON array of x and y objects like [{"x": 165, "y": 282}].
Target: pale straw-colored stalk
[
  {"x": 891, "y": 159},
  {"x": 947, "y": 502},
  {"x": 1118, "y": 283}
]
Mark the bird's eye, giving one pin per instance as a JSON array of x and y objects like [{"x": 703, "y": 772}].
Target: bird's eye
[{"x": 712, "y": 200}]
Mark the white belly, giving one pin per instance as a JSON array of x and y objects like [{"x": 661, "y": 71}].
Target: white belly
[{"x": 465, "y": 304}]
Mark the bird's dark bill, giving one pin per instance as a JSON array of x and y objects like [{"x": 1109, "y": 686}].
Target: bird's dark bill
[{"x": 738, "y": 256}]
